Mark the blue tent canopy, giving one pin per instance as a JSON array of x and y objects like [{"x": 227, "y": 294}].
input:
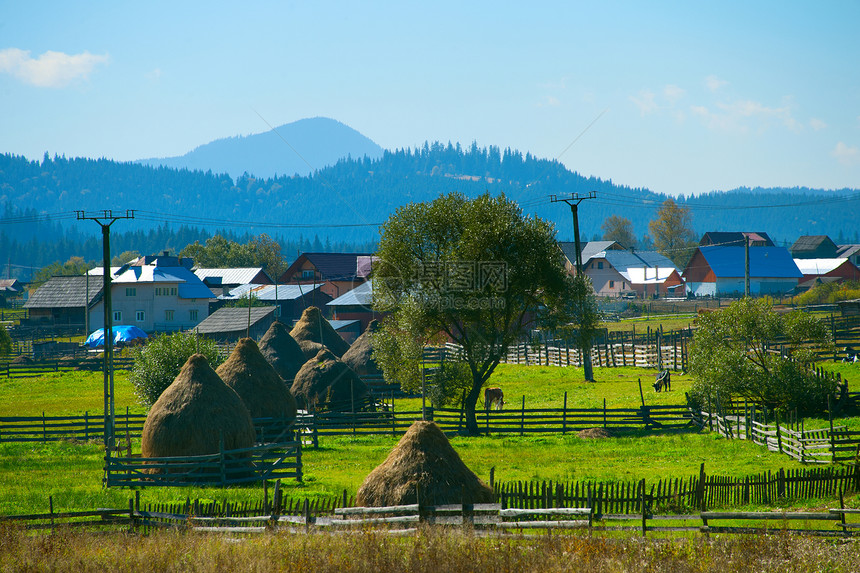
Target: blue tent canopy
[{"x": 122, "y": 334}]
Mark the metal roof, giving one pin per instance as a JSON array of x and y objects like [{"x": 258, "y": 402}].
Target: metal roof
[
  {"x": 190, "y": 286},
  {"x": 624, "y": 260},
  {"x": 233, "y": 319},
  {"x": 65, "y": 292},
  {"x": 362, "y": 295},
  {"x": 235, "y": 276},
  {"x": 647, "y": 275},
  {"x": 268, "y": 292},
  {"x": 765, "y": 262},
  {"x": 819, "y": 266}
]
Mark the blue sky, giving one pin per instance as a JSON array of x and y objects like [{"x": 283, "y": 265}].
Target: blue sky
[{"x": 688, "y": 97}]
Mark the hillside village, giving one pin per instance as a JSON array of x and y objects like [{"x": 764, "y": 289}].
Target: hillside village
[{"x": 167, "y": 293}]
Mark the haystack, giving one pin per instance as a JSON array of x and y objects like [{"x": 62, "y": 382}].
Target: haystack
[
  {"x": 359, "y": 357},
  {"x": 324, "y": 382},
  {"x": 255, "y": 381},
  {"x": 422, "y": 466},
  {"x": 310, "y": 348},
  {"x": 194, "y": 413},
  {"x": 282, "y": 351},
  {"x": 313, "y": 326}
]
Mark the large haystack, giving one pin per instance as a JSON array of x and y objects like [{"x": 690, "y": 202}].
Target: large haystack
[
  {"x": 359, "y": 357},
  {"x": 310, "y": 348},
  {"x": 255, "y": 381},
  {"x": 326, "y": 383},
  {"x": 313, "y": 326},
  {"x": 422, "y": 465},
  {"x": 193, "y": 413},
  {"x": 282, "y": 351}
]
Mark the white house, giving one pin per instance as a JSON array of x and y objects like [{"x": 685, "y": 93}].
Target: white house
[{"x": 157, "y": 293}]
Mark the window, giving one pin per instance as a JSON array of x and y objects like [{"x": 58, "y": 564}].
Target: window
[
  {"x": 130, "y": 291},
  {"x": 192, "y": 314},
  {"x": 308, "y": 274},
  {"x": 168, "y": 315},
  {"x": 140, "y": 316},
  {"x": 623, "y": 286},
  {"x": 165, "y": 291},
  {"x": 599, "y": 264},
  {"x": 117, "y": 316},
  {"x": 611, "y": 284}
]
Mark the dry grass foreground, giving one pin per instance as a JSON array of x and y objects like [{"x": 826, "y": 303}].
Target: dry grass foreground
[{"x": 433, "y": 550}]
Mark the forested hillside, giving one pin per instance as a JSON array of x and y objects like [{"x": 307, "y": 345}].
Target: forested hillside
[{"x": 343, "y": 204}]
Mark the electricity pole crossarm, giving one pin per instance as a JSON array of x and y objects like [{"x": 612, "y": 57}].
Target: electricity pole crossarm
[
  {"x": 574, "y": 199},
  {"x": 105, "y": 220}
]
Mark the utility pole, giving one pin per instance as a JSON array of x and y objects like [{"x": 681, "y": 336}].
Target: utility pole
[
  {"x": 746, "y": 265},
  {"x": 105, "y": 220},
  {"x": 573, "y": 201}
]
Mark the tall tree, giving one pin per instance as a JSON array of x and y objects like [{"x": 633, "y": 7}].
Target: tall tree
[
  {"x": 477, "y": 271},
  {"x": 673, "y": 233},
  {"x": 619, "y": 229}
]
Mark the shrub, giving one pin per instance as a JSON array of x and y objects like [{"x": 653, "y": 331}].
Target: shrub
[{"x": 157, "y": 363}]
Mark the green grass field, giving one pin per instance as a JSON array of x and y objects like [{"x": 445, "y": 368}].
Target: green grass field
[{"x": 72, "y": 473}]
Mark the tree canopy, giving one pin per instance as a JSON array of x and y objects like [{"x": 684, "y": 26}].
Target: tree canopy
[
  {"x": 619, "y": 229},
  {"x": 477, "y": 271},
  {"x": 748, "y": 350},
  {"x": 218, "y": 252},
  {"x": 672, "y": 233}
]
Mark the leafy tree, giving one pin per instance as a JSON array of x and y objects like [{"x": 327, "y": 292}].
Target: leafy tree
[
  {"x": 619, "y": 229},
  {"x": 218, "y": 252},
  {"x": 476, "y": 271},
  {"x": 158, "y": 362},
  {"x": 735, "y": 352},
  {"x": 242, "y": 302},
  {"x": 73, "y": 267},
  {"x": 123, "y": 258},
  {"x": 829, "y": 293},
  {"x": 672, "y": 233}
]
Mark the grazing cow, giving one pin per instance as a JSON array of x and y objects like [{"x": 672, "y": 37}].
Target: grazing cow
[
  {"x": 664, "y": 380},
  {"x": 493, "y": 397},
  {"x": 851, "y": 355}
]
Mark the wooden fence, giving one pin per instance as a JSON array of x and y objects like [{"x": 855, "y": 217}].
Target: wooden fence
[
  {"x": 227, "y": 467},
  {"x": 40, "y": 368}
]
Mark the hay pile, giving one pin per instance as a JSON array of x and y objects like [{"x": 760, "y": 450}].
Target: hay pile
[
  {"x": 359, "y": 357},
  {"x": 255, "y": 381},
  {"x": 192, "y": 414},
  {"x": 594, "y": 433},
  {"x": 325, "y": 383},
  {"x": 422, "y": 464},
  {"x": 314, "y": 327},
  {"x": 282, "y": 351}
]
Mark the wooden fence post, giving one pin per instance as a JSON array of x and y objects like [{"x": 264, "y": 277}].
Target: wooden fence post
[
  {"x": 778, "y": 434},
  {"x": 644, "y": 508}
]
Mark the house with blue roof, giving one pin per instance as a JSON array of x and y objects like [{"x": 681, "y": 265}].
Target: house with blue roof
[
  {"x": 156, "y": 293},
  {"x": 720, "y": 271}
]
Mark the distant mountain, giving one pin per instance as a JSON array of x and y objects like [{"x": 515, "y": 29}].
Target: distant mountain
[{"x": 301, "y": 147}]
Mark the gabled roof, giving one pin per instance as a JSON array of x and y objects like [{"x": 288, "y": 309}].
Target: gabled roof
[
  {"x": 65, "y": 292},
  {"x": 336, "y": 266},
  {"x": 624, "y": 260},
  {"x": 233, "y": 319},
  {"x": 269, "y": 292},
  {"x": 362, "y": 295},
  {"x": 589, "y": 249},
  {"x": 813, "y": 243},
  {"x": 765, "y": 262},
  {"x": 11, "y": 285},
  {"x": 820, "y": 266},
  {"x": 189, "y": 285},
  {"x": 647, "y": 275},
  {"x": 735, "y": 238},
  {"x": 236, "y": 276},
  {"x": 845, "y": 251}
]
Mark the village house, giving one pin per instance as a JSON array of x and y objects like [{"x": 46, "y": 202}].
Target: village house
[
  {"x": 338, "y": 273},
  {"x": 720, "y": 271},
  {"x": 290, "y": 300},
  {"x": 222, "y": 281},
  {"x": 736, "y": 239},
  {"x": 814, "y": 247},
  {"x": 156, "y": 293},
  {"x": 357, "y": 304},
  {"x": 62, "y": 301}
]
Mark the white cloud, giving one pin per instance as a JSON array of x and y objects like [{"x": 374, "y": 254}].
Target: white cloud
[
  {"x": 154, "y": 75},
  {"x": 51, "y": 69},
  {"x": 673, "y": 93},
  {"x": 846, "y": 155},
  {"x": 714, "y": 83},
  {"x": 741, "y": 115},
  {"x": 817, "y": 124},
  {"x": 645, "y": 102}
]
